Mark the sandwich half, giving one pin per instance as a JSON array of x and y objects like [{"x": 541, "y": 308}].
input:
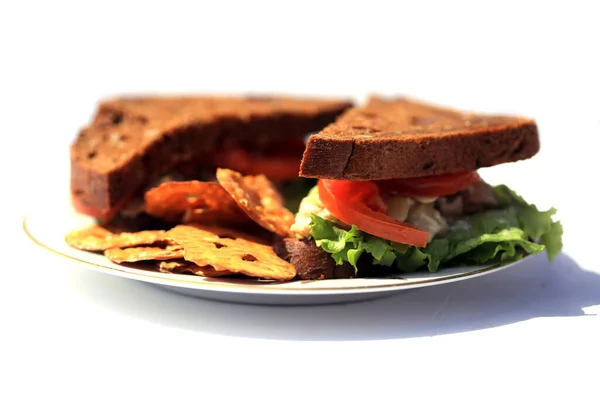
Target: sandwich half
[
  {"x": 399, "y": 190},
  {"x": 135, "y": 143}
]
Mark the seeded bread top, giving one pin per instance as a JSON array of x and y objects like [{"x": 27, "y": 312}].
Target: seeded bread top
[
  {"x": 125, "y": 127},
  {"x": 132, "y": 140}
]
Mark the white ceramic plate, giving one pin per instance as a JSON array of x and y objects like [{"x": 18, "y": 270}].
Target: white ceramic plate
[{"x": 47, "y": 226}]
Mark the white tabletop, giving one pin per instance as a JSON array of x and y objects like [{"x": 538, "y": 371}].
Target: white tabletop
[{"x": 73, "y": 333}]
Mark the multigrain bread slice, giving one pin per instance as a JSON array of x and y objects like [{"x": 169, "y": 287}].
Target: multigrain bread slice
[
  {"x": 136, "y": 139},
  {"x": 402, "y": 138}
]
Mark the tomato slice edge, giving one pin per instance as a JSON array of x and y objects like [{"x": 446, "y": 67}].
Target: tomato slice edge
[
  {"x": 353, "y": 210},
  {"x": 272, "y": 166},
  {"x": 431, "y": 186}
]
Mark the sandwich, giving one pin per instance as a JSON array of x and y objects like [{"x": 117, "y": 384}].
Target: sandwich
[
  {"x": 303, "y": 189},
  {"x": 135, "y": 143},
  {"x": 399, "y": 190}
]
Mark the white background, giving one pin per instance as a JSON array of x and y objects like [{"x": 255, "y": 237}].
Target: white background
[{"x": 71, "y": 333}]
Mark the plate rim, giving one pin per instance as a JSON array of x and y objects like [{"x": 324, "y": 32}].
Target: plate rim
[{"x": 271, "y": 288}]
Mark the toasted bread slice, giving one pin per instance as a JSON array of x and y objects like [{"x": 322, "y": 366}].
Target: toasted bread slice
[
  {"x": 402, "y": 138},
  {"x": 134, "y": 140}
]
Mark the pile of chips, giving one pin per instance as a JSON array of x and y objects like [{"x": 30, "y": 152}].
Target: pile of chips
[{"x": 216, "y": 230}]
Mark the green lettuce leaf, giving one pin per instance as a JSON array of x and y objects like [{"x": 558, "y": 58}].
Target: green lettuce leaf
[
  {"x": 536, "y": 224},
  {"x": 552, "y": 240},
  {"x": 502, "y": 235}
]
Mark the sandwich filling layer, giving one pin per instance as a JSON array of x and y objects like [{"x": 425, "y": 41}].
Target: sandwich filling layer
[
  {"x": 278, "y": 160},
  {"x": 390, "y": 224}
]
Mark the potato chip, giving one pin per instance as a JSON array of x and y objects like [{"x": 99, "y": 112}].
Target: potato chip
[
  {"x": 96, "y": 238},
  {"x": 229, "y": 233},
  {"x": 257, "y": 196},
  {"x": 172, "y": 201},
  {"x": 253, "y": 233},
  {"x": 186, "y": 267},
  {"x": 134, "y": 254},
  {"x": 224, "y": 252}
]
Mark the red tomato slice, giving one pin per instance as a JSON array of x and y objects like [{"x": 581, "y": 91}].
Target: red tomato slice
[
  {"x": 275, "y": 167},
  {"x": 358, "y": 203},
  {"x": 437, "y": 185},
  {"x": 291, "y": 146}
]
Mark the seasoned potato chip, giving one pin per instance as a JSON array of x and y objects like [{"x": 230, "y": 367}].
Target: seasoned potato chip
[
  {"x": 186, "y": 267},
  {"x": 257, "y": 196},
  {"x": 229, "y": 233},
  {"x": 172, "y": 201},
  {"x": 96, "y": 238},
  {"x": 224, "y": 252},
  {"x": 134, "y": 254}
]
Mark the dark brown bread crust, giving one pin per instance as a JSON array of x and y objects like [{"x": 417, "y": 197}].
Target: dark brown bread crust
[
  {"x": 313, "y": 263},
  {"x": 400, "y": 138},
  {"x": 133, "y": 140}
]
